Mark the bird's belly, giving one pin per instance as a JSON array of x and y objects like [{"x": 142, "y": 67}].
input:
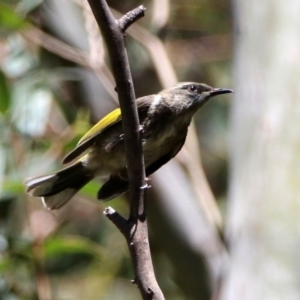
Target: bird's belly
[
  {"x": 161, "y": 144},
  {"x": 154, "y": 149},
  {"x": 105, "y": 163}
]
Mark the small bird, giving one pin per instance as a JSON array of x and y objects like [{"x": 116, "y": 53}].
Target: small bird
[{"x": 164, "y": 120}]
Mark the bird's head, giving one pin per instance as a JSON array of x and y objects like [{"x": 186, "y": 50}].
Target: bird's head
[{"x": 187, "y": 96}]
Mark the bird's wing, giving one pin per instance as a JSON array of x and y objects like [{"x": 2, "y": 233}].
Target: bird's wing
[
  {"x": 108, "y": 121},
  {"x": 89, "y": 138}
]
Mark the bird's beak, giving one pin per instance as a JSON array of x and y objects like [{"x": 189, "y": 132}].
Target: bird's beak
[{"x": 216, "y": 92}]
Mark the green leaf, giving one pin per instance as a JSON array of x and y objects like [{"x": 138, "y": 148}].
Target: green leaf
[
  {"x": 5, "y": 265},
  {"x": 91, "y": 189},
  {"x": 4, "y": 93},
  {"x": 10, "y": 19},
  {"x": 70, "y": 245},
  {"x": 12, "y": 187}
]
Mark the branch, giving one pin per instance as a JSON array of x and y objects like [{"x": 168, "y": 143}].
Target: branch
[
  {"x": 135, "y": 229},
  {"x": 132, "y": 16},
  {"x": 38, "y": 37},
  {"x": 117, "y": 219}
]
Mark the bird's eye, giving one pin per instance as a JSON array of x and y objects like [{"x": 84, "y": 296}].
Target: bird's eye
[{"x": 192, "y": 88}]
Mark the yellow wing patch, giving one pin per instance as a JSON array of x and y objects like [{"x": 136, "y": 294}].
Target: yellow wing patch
[{"x": 107, "y": 121}]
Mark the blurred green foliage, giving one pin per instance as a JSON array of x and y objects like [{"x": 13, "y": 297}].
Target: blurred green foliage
[{"x": 46, "y": 104}]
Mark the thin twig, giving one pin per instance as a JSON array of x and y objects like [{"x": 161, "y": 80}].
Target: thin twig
[
  {"x": 136, "y": 232},
  {"x": 37, "y": 36},
  {"x": 120, "y": 222},
  {"x": 157, "y": 52},
  {"x": 131, "y": 17}
]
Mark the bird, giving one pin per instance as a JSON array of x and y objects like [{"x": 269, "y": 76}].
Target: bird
[{"x": 164, "y": 119}]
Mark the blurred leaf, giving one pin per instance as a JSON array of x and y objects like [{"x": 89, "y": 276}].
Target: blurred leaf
[
  {"x": 5, "y": 265},
  {"x": 6, "y": 203},
  {"x": 12, "y": 187},
  {"x": 82, "y": 124},
  {"x": 80, "y": 127},
  {"x": 10, "y": 19},
  {"x": 91, "y": 189},
  {"x": 20, "y": 60},
  {"x": 71, "y": 245},
  {"x": 32, "y": 106},
  {"x": 4, "y": 92}
]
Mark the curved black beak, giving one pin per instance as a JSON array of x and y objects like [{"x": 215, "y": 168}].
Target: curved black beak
[{"x": 216, "y": 92}]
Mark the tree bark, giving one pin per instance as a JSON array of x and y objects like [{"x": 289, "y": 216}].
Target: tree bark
[
  {"x": 135, "y": 229},
  {"x": 263, "y": 225}
]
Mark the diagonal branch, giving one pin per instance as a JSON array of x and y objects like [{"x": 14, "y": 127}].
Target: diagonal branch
[
  {"x": 136, "y": 229},
  {"x": 38, "y": 37}
]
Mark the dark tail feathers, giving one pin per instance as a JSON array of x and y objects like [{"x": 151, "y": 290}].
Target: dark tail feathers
[{"x": 58, "y": 188}]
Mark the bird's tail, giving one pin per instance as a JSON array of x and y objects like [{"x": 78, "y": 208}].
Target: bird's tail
[{"x": 58, "y": 188}]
